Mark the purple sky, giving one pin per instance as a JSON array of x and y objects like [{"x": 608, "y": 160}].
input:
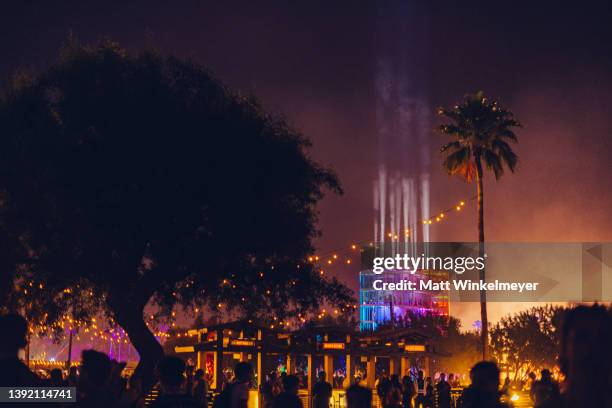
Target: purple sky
[{"x": 314, "y": 62}]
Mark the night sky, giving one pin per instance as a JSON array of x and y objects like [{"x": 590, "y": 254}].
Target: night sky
[{"x": 314, "y": 61}]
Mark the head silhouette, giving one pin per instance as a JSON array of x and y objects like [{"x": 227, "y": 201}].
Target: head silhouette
[
  {"x": 485, "y": 376},
  {"x": 171, "y": 371},
  {"x": 242, "y": 371},
  {"x": 95, "y": 367},
  {"x": 358, "y": 397},
  {"x": 14, "y": 329},
  {"x": 322, "y": 375},
  {"x": 56, "y": 376},
  {"x": 291, "y": 384},
  {"x": 586, "y": 356}
]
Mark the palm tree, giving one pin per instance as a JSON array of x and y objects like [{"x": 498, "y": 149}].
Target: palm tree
[{"x": 481, "y": 131}]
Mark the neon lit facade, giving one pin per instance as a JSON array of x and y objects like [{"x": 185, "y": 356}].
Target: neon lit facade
[{"x": 376, "y": 305}]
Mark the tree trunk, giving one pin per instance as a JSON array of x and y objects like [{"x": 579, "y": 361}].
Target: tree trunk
[
  {"x": 130, "y": 317},
  {"x": 484, "y": 330},
  {"x": 27, "y": 351},
  {"x": 69, "y": 358}
]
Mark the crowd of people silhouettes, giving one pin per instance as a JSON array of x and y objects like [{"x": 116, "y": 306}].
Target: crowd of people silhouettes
[{"x": 585, "y": 360}]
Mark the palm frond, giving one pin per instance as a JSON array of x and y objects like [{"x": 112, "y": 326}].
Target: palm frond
[
  {"x": 505, "y": 153},
  {"x": 450, "y": 145},
  {"x": 478, "y": 126},
  {"x": 493, "y": 162},
  {"x": 507, "y": 134},
  {"x": 460, "y": 163}
]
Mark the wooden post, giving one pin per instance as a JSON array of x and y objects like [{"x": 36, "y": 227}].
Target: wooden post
[
  {"x": 393, "y": 366},
  {"x": 259, "y": 370},
  {"x": 349, "y": 371},
  {"x": 219, "y": 361},
  {"x": 290, "y": 364},
  {"x": 371, "y": 372},
  {"x": 311, "y": 374},
  {"x": 328, "y": 366},
  {"x": 199, "y": 353},
  {"x": 404, "y": 366}
]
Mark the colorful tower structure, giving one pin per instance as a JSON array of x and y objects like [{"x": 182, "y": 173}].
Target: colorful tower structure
[{"x": 401, "y": 186}]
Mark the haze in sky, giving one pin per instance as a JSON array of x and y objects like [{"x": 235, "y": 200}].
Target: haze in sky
[{"x": 316, "y": 62}]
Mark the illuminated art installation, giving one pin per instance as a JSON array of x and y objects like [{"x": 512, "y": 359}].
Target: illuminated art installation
[{"x": 401, "y": 187}]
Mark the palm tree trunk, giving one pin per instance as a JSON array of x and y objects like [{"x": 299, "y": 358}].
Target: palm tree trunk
[{"x": 484, "y": 330}]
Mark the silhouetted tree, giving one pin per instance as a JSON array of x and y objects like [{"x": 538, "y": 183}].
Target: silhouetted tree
[
  {"x": 458, "y": 350},
  {"x": 480, "y": 131},
  {"x": 528, "y": 340},
  {"x": 129, "y": 179}
]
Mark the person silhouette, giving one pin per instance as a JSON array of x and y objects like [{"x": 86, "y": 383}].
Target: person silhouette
[
  {"x": 429, "y": 389},
  {"x": 240, "y": 386},
  {"x": 73, "y": 376},
  {"x": 407, "y": 391},
  {"x": 97, "y": 384},
  {"x": 358, "y": 397},
  {"x": 545, "y": 389},
  {"x": 56, "y": 378},
  {"x": 171, "y": 374},
  {"x": 421, "y": 390},
  {"x": 393, "y": 396},
  {"x": 443, "y": 389},
  {"x": 483, "y": 392},
  {"x": 14, "y": 372},
  {"x": 586, "y": 359},
  {"x": 321, "y": 392},
  {"x": 200, "y": 387},
  {"x": 506, "y": 387},
  {"x": 288, "y": 398}
]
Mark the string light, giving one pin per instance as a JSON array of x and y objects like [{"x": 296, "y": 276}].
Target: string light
[{"x": 115, "y": 336}]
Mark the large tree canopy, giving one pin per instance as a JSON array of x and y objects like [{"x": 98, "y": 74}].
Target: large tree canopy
[{"x": 131, "y": 178}]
